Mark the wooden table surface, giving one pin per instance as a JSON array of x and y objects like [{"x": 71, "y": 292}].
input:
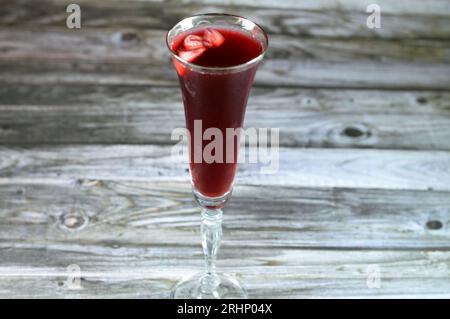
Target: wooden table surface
[{"x": 359, "y": 208}]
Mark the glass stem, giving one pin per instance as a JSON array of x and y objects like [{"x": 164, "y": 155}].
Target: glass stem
[{"x": 211, "y": 229}]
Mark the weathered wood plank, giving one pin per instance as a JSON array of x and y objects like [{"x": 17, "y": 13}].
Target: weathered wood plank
[
  {"x": 385, "y": 169},
  {"x": 45, "y": 113},
  {"x": 129, "y": 45},
  {"x": 134, "y": 215},
  {"x": 295, "y": 273},
  {"x": 326, "y": 18},
  {"x": 110, "y": 57},
  {"x": 432, "y": 7},
  {"x": 278, "y": 73},
  {"x": 140, "y": 238}
]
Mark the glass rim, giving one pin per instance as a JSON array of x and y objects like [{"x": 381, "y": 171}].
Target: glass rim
[{"x": 212, "y": 68}]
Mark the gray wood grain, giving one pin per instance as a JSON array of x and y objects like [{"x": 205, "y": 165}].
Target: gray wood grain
[
  {"x": 110, "y": 57},
  {"x": 297, "y": 274},
  {"x": 137, "y": 46},
  {"x": 140, "y": 238},
  {"x": 325, "y": 18},
  {"x": 137, "y": 214},
  {"x": 433, "y": 7},
  {"x": 278, "y": 73},
  {"x": 95, "y": 114},
  {"x": 364, "y": 168}
]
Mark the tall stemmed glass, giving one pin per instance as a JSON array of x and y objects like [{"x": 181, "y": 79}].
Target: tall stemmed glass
[{"x": 215, "y": 94}]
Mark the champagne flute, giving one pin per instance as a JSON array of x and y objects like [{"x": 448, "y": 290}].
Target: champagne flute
[{"x": 216, "y": 57}]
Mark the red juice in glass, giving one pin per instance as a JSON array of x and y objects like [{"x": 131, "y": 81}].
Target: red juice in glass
[
  {"x": 218, "y": 98},
  {"x": 216, "y": 57}
]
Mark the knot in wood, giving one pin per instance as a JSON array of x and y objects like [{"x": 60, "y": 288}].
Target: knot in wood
[
  {"x": 353, "y": 132},
  {"x": 434, "y": 224},
  {"x": 73, "y": 221},
  {"x": 129, "y": 36}
]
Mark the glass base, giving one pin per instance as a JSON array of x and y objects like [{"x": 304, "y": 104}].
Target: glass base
[{"x": 202, "y": 286}]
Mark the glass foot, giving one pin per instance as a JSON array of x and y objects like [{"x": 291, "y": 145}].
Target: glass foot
[{"x": 202, "y": 286}]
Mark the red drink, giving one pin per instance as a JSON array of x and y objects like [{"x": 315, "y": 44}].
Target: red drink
[
  {"x": 218, "y": 97},
  {"x": 216, "y": 57}
]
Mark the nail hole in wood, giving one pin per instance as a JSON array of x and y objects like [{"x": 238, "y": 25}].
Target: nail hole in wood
[
  {"x": 434, "y": 224},
  {"x": 5, "y": 127}
]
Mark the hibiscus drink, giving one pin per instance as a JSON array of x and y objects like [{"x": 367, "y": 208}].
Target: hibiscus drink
[
  {"x": 218, "y": 99},
  {"x": 216, "y": 57}
]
